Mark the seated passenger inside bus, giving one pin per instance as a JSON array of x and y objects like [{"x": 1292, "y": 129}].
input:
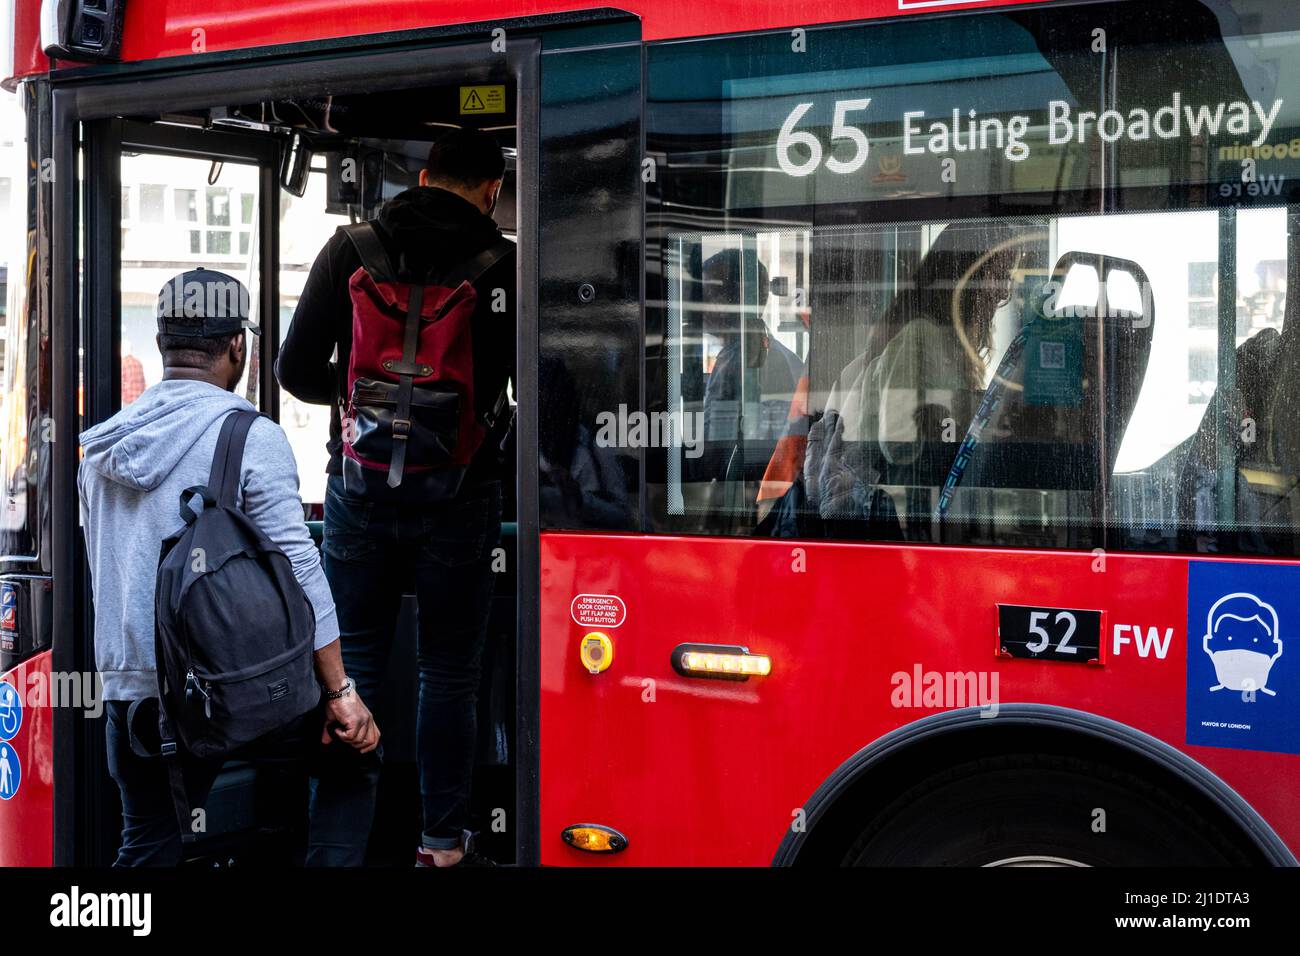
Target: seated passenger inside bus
[
  {"x": 897, "y": 417},
  {"x": 753, "y": 377}
]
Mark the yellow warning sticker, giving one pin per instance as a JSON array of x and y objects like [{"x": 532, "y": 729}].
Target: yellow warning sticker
[{"x": 482, "y": 99}]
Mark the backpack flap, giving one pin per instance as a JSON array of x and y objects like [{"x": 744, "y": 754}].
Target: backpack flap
[{"x": 434, "y": 415}]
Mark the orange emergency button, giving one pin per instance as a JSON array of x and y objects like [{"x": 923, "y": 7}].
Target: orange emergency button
[{"x": 596, "y": 651}]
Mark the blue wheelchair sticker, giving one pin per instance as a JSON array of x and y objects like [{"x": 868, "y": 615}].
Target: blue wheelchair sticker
[
  {"x": 1242, "y": 689},
  {"x": 11, "y": 711}
]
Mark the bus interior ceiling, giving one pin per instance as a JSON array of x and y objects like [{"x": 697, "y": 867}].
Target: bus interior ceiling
[
  {"x": 385, "y": 135},
  {"x": 373, "y": 146}
]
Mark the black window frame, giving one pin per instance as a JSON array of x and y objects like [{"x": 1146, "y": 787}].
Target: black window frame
[{"x": 1109, "y": 197}]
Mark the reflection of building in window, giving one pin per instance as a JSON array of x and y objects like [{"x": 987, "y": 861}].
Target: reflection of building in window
[
  {"x": 4, "y": 312},
  {"x": 1261, "y": 296},
  {"x": 1202, "y": 303},
  {"x": 5, "y": 195},
  {"x": 1264, "y": 306},
  {"x": 152, "y": 222},
  {"x": 151, "y": 203},
  {"x": 1202, "y": 373}
]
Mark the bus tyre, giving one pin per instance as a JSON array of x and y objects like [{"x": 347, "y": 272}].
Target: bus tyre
[{"x": 1043, "y": 810}]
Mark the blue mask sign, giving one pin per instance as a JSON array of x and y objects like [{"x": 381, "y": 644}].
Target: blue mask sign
[{"x": 1243, "y": 687}]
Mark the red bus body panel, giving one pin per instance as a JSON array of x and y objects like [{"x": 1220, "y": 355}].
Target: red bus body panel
[
  {"x": 27, "y": 818},
  {"x": 27, "y": 53},
  {"x": 708, "y": 772},
  {"x": 157, "y": 28}
]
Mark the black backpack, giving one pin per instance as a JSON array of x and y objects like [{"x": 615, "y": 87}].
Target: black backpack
[{"x": 234, "y": 630}]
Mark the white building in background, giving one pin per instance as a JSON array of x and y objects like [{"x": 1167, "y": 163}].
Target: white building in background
[
  {"x": 180, "y": 213},
  {"x": 13, "y": 160}
]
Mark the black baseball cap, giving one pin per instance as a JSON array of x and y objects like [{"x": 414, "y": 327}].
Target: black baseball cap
[{"x": 203, "y": 303}]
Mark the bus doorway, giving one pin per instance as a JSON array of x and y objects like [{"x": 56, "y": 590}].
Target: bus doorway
[{"x": 252, "y": 183}]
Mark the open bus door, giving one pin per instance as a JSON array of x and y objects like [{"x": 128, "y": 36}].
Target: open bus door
[{"x": 231, "y": 172}]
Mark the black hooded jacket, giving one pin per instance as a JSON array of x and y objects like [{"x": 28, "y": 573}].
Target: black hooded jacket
[{"x": 425, "y": 229}]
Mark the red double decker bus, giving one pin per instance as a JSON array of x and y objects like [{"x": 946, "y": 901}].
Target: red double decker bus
[{"x": 907, "y": 445}]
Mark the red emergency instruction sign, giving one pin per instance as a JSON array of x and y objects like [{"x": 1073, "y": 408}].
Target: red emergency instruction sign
[{"x": 598, "y": 610}]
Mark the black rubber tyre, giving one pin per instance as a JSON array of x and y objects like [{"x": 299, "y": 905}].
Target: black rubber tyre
[{"x": 1037, "y": 807}]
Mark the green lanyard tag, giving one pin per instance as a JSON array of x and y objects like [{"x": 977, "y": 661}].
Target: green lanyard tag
[{"x": 1054, "y": 360}]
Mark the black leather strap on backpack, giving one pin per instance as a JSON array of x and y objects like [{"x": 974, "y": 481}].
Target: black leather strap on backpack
[
  {"x": 371, "y": 250},
  {"x": 405, "y": 383},
  {"x": 473, "y": 268},
  {"x": 223, "y": 490}
]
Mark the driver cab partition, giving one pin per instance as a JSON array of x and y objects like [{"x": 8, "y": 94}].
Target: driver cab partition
[{"x": 249, "y": 172}]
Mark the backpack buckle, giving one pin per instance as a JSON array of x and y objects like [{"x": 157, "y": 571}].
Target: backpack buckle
[
  {"x": 401, "y": 428},
  {"x": 168, "y": 748},
  {"x": 420, "y": 370}
]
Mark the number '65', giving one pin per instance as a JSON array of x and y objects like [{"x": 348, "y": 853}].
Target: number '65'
[{"x": 789, "y": 137}]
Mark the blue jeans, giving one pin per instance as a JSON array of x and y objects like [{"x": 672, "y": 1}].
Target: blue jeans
[{"x": 374, "y": 553}]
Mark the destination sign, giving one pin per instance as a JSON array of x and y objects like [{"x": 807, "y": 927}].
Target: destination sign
[{"x": 994, "y": 134}]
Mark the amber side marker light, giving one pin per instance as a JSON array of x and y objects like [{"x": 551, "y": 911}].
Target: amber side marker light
[
  {"x": 594, "y": 838},
  {"x": 720, "y": 661}
]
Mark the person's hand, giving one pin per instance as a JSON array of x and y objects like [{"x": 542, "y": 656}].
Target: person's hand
[{"x": 351, "y": 722}]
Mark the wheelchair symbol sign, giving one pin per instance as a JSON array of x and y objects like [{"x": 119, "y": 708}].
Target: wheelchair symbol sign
[{"x": 11, "y": 711}]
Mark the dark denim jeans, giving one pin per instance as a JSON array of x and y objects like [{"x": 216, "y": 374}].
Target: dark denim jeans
[
  {"x": 374, "y": 553},
  {"x": 151, "y": 834}
]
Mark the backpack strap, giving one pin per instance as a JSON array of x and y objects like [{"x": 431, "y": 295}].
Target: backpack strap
[
  {"x": 228, "y": 458},
  {"x": 175, "y": 777},
  {"x": 474, "y": 268},
  {"x": 471, "y": 271},
  {"x": 222, "y": 489},
  {"x": 370, "y": 248}
]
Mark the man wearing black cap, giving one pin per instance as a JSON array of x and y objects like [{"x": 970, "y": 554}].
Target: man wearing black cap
[{"x": 135, "y": 466}]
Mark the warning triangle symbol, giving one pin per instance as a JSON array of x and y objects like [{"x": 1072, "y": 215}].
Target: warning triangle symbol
[{"x": 473, "y": 103}]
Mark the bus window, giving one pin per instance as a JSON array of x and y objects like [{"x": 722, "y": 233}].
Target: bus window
[
  {"x": 1011, "y": 300},
  {"x": 180, "y": 213},
  {"x": 306, "y": 222},
  {"x": 19, "y": 353}
]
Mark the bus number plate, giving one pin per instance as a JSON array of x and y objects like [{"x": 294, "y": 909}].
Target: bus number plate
[{"x": 1049, "y": 633}]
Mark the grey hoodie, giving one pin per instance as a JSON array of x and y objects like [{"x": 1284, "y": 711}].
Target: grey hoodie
[{"x": 134, "y": 468}]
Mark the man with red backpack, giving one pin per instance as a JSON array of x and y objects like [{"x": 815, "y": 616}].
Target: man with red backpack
[{"x": 420, "y": 305}]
